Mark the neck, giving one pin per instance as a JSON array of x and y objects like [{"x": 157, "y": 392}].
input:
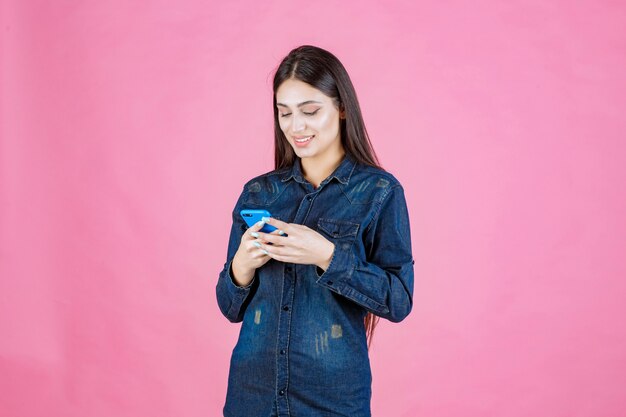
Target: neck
[{"x": 316, "y": 170}]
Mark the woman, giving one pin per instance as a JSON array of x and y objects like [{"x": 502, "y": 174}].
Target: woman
[{"x": 307, "y": 293}]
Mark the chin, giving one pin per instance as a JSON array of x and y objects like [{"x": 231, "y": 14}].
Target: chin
[{"x": 302, "y": 153}]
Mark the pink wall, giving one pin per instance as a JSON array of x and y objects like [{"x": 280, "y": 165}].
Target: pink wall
[{"x": 128, "y": 129}]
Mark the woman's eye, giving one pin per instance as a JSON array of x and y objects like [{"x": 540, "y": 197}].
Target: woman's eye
[{"x": 308, "y": 114}]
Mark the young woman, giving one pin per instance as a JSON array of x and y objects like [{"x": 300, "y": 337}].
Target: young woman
[{"x": 310, "y": 293}]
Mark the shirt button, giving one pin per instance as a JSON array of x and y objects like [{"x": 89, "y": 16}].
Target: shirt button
[
  {"x": 288, "y": 269},
  {"x": 281, "y": 392},
  {"x": 286, "y": 308},
  {"x": 282, "y": 351},
  {"x": 309, "y": 198}
]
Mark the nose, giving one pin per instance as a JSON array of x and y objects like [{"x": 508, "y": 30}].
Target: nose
[{"x": 297, "y": 123}]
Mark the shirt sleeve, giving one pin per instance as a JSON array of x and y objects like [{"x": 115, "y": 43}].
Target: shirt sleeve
[
  {"x": 231, "y": 298},
  {"x": 381, "y": 280}
]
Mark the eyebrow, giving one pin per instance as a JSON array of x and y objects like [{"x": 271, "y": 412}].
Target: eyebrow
[{"x": 300, "y": 104}]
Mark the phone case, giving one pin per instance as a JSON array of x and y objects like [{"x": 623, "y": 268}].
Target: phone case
[{"x": 251, "y": 216}]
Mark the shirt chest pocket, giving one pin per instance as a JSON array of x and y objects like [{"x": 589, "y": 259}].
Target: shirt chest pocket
[{"x": 343, "y": 231}]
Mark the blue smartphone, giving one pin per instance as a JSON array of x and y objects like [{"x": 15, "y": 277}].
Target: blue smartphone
[{"x": 251, "y": 216}]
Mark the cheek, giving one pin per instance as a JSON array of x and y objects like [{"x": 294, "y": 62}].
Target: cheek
[
  {"x": 323, "y": 122},
  {"x": 327, "y": 123},
  {"x": 283, "y": 125}
]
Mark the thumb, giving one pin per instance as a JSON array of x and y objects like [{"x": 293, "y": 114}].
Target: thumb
[
  {"x": 258, "y": 225},
  {"x": 254, "y": 228}
]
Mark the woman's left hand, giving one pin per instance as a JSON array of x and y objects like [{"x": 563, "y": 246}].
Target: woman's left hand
[{"x": 302, "y": 245}]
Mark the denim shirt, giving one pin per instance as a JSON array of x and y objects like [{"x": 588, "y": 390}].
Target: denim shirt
[{"x": 302, "y": 347}]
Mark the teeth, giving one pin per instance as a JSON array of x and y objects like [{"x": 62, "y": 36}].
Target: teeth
[{"x": 304, "y": 139}]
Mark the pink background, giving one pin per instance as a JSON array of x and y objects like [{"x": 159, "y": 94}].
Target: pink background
[{"x": 129, "y": 128}]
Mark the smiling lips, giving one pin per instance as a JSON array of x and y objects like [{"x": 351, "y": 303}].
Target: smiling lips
[{"x": 302, "y": 140}]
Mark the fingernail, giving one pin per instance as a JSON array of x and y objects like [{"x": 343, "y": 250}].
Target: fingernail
[
  {"x": 255, "y": 234},
  {"x": 257, "y": 244},
  {"x": 265, "y": 219},
  {"x": 265, "y": 252},
  {"x": 280, "y": 232},
  {"x": 261, "y": 223}
]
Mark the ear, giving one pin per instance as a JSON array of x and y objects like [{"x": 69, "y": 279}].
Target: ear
[{"x": 342, "y": 111}]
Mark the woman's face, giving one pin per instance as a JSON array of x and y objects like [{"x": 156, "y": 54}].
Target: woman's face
[{"x": 305, "y": 112}]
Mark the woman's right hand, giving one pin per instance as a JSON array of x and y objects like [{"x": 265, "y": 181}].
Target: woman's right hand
[{"x": 249, "y": 256}]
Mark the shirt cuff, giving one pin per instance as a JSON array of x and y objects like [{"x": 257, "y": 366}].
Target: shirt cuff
[{"x": 233, "y": 287}]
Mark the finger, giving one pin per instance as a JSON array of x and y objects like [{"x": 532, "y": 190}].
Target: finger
[
  {"x": 256, "y": 253},
  {"x": 281, "y": 225},
  {"x": 277, "y": 254},
  {"x": 274, "y": 238},
  {"x": 260, "y": 252},
  {"x": 276, "y": 232},
  {"x": 258, "y": 225},
  {"x": 251, "y": 232},
  {"x": 267, "y": 252},
  {"x": 255, "y": 246}
]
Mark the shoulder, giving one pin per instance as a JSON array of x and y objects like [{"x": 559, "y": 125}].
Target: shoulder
[
  {"x": 385, "y": 177},
  {"x": 369, "y": 183},
  {"x": 255, "y": 183},
  {"x": 266, "y": 187}
]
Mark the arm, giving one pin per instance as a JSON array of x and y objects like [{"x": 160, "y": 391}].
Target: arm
[
  {"x": 232, "y": 298},
  {"x": 381, "y": 281}
]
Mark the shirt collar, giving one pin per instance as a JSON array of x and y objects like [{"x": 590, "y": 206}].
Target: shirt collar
[{"x": 342, "y": 173}]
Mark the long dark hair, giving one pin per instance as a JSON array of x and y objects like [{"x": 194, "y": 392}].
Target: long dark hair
[{"x": 322, "y": 70}]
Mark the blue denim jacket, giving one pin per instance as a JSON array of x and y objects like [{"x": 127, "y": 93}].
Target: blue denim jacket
[{"x": 302, "y": 347}]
